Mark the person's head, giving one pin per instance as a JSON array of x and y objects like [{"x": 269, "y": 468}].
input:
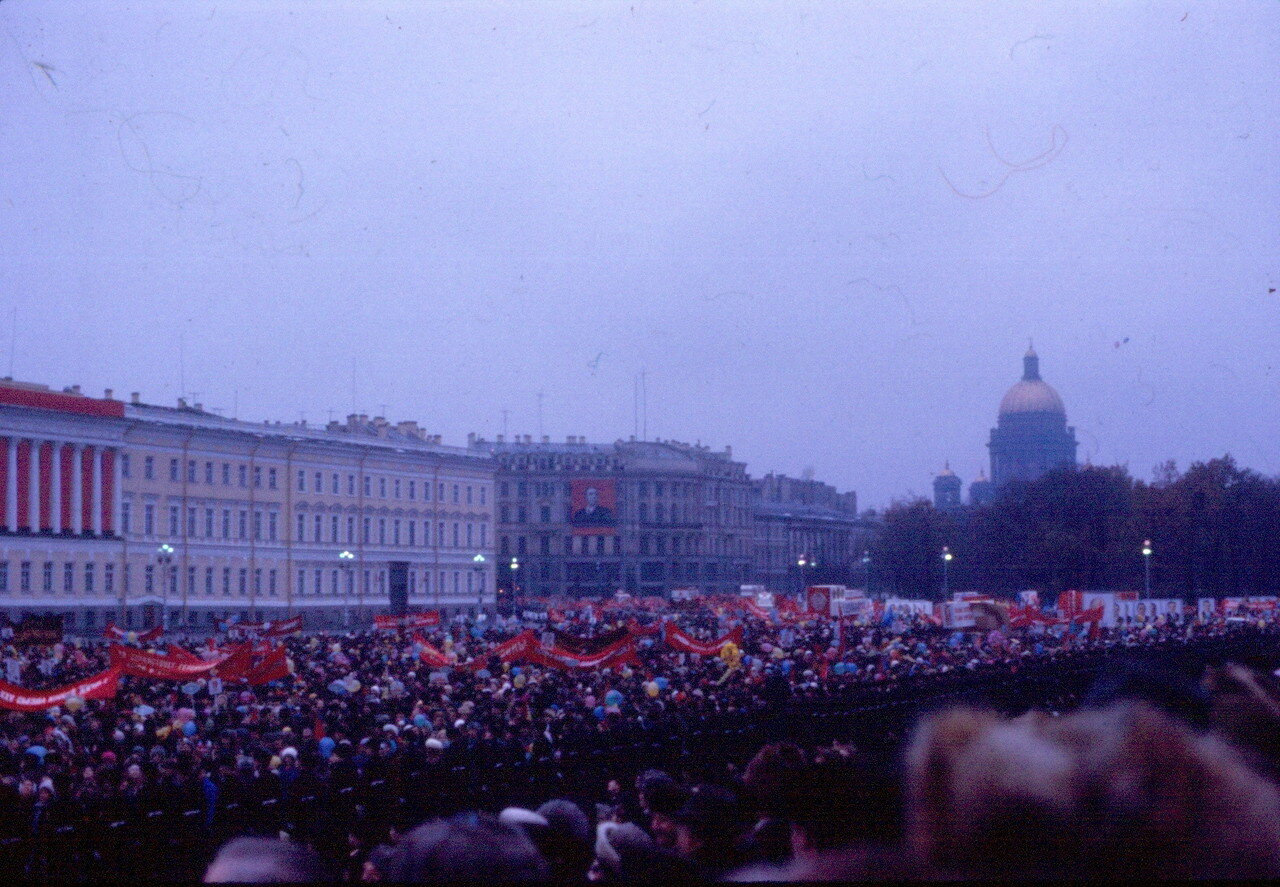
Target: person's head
[
  {"x": 708, "y": 825},
  {"x": 1116, "y": 793},
  {"x": 843, "y": 798},
  {"x": 771, "y": 774},
  {"x": 615, "y": 844},
  {"x": 566, "y": 842},
  {"x": 265, "y": 861},
  {"x": 472, "y": 847},
  {"x": 592, "y": 495}
]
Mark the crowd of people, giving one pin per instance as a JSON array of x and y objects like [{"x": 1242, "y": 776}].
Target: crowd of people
[{"x": 430, "y": 715}]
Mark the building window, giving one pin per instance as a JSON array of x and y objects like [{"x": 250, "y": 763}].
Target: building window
[
  {"x": 333, "y": 528},
  {"x": 257, "y": 477},
  {"x": 148, "y": 578},
  {"x": 484, "y": 535},
  {"x": 243, "y": 472},
  {"x": 173, "y": 470},
  {"x": 318, "y": 526},
  {"x": 335, "y": 483},
  {"x": 173, "y": 520},
  {"x": 545, "y": 514},
  {"x": 504, "y": 544},
  {"x": 395, "y": 533},
  {"x": 149, "y": 468},
  {"x": 382, "y": 531},
  {"x": 396, "y": 491},
  {"x": 148, "y": 520},
  {"x": 302, "y": 481},
  {"x": 191, "y": 521},
  {"x": 271, "y": 478},
  {"x": 126, "y": 518},
  {"x": 257, "y": 582},
  {"x": 88, "y": 578},
  {"x": 319, "y": 588},
  {"x": 226, "y": 523},
  {"x": 455, "y": 494},
  {"x": 124, "y": 465},
  {"x": 351, "y": 529},
  {"x": 271, "y": 583},
  {"x": 368, "y": 486},
  {"x": 504, "y": 514},
  {"x": 226, "y": 582},
  {"x": 46, "y": 577},
  {"x": 244, "y": 576},
  {"x": 208, "y": 581},
  {"x": 226, "y": 474},
  {"x": 440, "y": 533},
  {"x": 351, "y": 484},
  {"x": 302, "y": 527},
  {"x": 319, "y": 482},
  {"x": 440, "y": 494},
  {"x": 4, "y": 577},
  {"x": 257, "y": 526},
  {"x": 413, "y": 488},
  {"x": 244, "y": 524},
  {"x": 470, "y": 530},
  {"x": 456, "y": 528},
  {"x": 191, "y": 580},
  {"x": 367, "y": 526},
  {"x": 468, "y": 494},
  {"x": 191, "y": 471},
  {"x": 208, "y": 473},
  {"x": 412, "y": 526},
  {"x": 483, "y": 496}
]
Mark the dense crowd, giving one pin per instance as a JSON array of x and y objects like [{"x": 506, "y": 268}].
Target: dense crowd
[{"x": 365, "y": 708}]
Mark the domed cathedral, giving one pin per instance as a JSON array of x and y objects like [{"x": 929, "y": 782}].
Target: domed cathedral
[
  {"x": 946, "y": 490},
  {"x": 1031, "y": 434}
]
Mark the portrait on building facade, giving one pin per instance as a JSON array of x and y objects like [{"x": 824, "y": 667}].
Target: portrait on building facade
[{"x": 592, "y": 506}]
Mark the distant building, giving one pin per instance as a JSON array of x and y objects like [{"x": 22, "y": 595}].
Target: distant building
[
  {"x": 589, "y": 519},
  {"x": 803, "y": 519},
  {"x": 981, "y": 491},
  {"x": 144, "y": 514},
  {"x": 946, "y": 490},
  {"x": 1031, "y": 435}
]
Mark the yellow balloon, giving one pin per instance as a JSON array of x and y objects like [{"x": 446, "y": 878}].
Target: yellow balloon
[{"x": 651, "y": 690}]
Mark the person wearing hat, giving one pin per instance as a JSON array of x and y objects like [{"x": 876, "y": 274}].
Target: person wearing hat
[{"x": 707, "y": 830}]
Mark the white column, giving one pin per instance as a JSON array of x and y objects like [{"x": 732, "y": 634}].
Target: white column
[
  {"x": 117, "y": 497},
  {"x": 77, "y": 489},
  {"x": 96, "y": 523},
  {"x": 11, "y": 486},
  {"x": 55, "y": 487},
  {"x": 33, "y": 487}
]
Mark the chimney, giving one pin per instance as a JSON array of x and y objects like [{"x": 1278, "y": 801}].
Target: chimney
[
  {"x": 75, "y": 389},
  {"x": 546, "y": 438},
  {"x": 135, "y": 397},
  {"x": 528, "y": 438},
  {"x": 106, "y": 395},
  {"x": 471, "y": 438},
  {"x": 200, "y": 409},
  {"x": 182, "y": 403},
  {"x": 501, "y": 438}
]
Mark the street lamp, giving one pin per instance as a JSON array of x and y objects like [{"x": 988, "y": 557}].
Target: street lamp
[
  {"x": 164, "y": 557},
  {"x": 946, "y": 561},
  {"x": 479, "y": 562},
  {"x": 1146, "y": 566},
  {"x": 515, "y": 584},
  {"x": 347, "y": 561},
  {"x": 866, "y": 570}
]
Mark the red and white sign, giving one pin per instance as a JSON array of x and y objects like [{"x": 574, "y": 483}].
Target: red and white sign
[{"x": 103, "y": 685}]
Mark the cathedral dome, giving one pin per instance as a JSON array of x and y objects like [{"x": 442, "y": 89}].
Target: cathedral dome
[{"x": 1031, "y": 394}]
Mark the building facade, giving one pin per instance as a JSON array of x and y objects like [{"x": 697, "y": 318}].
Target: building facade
[
  {"x": 806, "y": 532},
  {"x": 1031, "y": 435},
  {"x": 145, "y": 514},
  {"x": 946, "y": 490},
  {"x": 584, "y": 519}
]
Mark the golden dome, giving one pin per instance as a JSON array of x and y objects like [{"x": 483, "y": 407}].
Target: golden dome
[{"x": 1031, "y": 394}]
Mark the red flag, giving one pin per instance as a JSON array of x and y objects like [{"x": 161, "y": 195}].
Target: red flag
[
  {"x": 686, "y": 643},
  {"x": 180, "y": 655},
  {"x": 430, "y": 655},
  {"x": 274, "y": 667}
]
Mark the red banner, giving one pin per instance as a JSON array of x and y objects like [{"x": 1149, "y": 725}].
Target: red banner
[
  {"x": 150, "y": 635},
  {"x": 686, "y": 643},
  {"x": 430, "y": 655},
  {"x": 103, "y": 685},
  {"x": 114, "y": 632},
  {"x": 755, "y": 609},
  {"x": 1093, "y": 614},
  {"x": 620, "y": 653},
  {"x": 177, "y": 654},
  {"x": 274, "y": 667},
  {"x": 283, "y": 627},
  {"x": 516, "y": 648},
  {"x": 428, "y": 619},
  {"x": 141, "y": 664}
]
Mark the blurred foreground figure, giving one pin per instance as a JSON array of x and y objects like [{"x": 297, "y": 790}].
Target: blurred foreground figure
[
  {"x": 469, "y": 848},
  {"x": 265, "y": 861},
  {"x": 1118, "y": 793}
]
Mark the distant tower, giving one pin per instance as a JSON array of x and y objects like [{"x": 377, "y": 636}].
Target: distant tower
[
  {"x": 946, "y": 490},
  {"x": 1031, "y": 434},
  {"x": 981, "y": 491}
]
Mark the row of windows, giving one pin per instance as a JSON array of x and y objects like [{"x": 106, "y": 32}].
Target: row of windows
[
  {"x": 642, "y": 489},
  {"x": 227, "y": 580},
  {"x": 228, "y": 524},
  {"x": 386, "y": 487},
  {"x": 597, "y": 544},
  {"x": 601, "y": 544}
]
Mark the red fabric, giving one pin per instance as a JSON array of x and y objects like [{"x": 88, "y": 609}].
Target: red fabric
[
  {"x": 428, "y": 619},
  {"x": 430, "y": 655},
  {"x": 618, "y": 654},
  {"x": 103, "y": 685},
  {"x": 178, "y": 654},
  {"x": 141, "y": 664},
  {"x": 273, "y": 668},
  {"x": 686, "y": 643},
  {"x": 284, "y": 627},
  {"x": 151, "y": 635},
  {"x": 1093, "y": 614}
]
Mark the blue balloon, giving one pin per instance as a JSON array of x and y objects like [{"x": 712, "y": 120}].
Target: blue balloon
[
  {"x": 338, "y": 688},
  {"x": 613, "y": 697},
  {"x": 191, "y": 688},
  {"x": 662, "y": 683},
  {"x": 599, "y": 712},
  {"x": 516, "y": 671},
  {"x": 838, "y": 668},
  {"x": 419, "y": 720},
  {"x": 189, "y": 728},
  {"x": 327, "y": 745},
  {"x": 39, "y": 751}
]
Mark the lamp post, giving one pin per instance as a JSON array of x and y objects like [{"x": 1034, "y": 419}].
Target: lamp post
[
  {"x": 164, "y": 558},
  {"x": 946, "y": 561},
  {"x": 1146, "y": 567},
  {"x": 347, "y": 561},
  {"x": 515, "y": 585},
  {"x": 866, "y": 571},
  {"x": 479, "y": 562}
]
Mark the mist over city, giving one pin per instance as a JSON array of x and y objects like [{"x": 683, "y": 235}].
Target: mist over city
[{"x": 639, "y": 442}]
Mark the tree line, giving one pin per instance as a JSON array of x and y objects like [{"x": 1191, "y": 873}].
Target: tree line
[{"x": 1214, "y": 531}]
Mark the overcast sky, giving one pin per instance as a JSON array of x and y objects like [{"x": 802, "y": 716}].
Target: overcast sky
[{"x": 824, "y": 231}]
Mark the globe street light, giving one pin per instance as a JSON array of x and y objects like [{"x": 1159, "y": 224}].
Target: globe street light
[
  {"x": 347, "y": 561},
  {"x": 1146, "y": 567},
  {"x": 946, "y": 561},
  {"x": 515, "y": 585},
  {"x": 866, "y": 570},
  {"x": 164, "y": 557},
  {"x": 479, "y": 561}
]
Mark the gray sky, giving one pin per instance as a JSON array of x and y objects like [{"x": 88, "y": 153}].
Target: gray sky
[{"x": 776, "y": 210}]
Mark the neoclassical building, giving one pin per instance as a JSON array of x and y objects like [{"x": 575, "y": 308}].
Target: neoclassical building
[
  {"x": 1031, "y": 434},
  {"x": 142, "y": 513}
]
